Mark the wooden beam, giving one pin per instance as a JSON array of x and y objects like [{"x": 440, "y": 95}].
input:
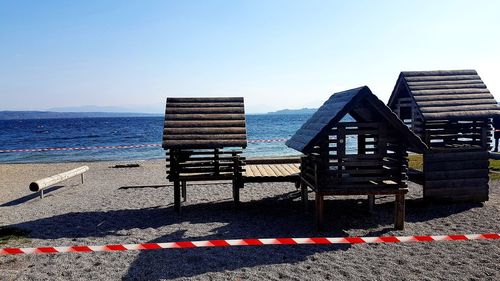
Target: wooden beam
[{"x": 40, "y": 185}]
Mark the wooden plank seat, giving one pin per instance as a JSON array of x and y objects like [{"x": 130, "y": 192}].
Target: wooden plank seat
[{"x": 272, "y": 170}]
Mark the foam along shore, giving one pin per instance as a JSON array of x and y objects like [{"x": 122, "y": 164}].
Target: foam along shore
[{"x": 134, "y": 205}]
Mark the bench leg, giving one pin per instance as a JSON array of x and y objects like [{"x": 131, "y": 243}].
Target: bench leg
[
  {"x": 297, "y": 184},
  {"x": 236, "y": 193},
  {"x": 319, "y": 211},
  {"x": 371, "y": 203},
  {"x": 184, "y": 191},
  {"x": 177, "y": 196},
  {"x": 303, "y": 196},
  {"x": 399, "y": 216}
]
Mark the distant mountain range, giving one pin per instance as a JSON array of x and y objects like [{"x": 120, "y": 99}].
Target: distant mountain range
[
  {"x": 294, "y": 111},
  {"x": 15, "y": 115},
  {"x": 153, "y": 109},
  {"x": 96, "y": 112}
]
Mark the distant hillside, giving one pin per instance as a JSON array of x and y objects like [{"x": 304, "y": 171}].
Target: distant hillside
[
  {"x": 14, "y": 115},
  {"x": 149, "y": 109},
  {"x": 294, "y": 111}
]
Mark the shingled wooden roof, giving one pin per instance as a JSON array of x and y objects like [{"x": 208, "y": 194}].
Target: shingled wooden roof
[
  {"x": 335, "y": 108},
  {"x": 449, "y": 94},
  {"x": 196, "y": 123}
]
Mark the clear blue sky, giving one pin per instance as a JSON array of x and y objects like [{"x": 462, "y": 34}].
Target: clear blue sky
[{"x": 277, "y": 54}]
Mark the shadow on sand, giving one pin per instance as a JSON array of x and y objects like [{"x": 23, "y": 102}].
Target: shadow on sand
[
  {"x": 280, "y": 216},
  {"x": 30, "y": 197}
]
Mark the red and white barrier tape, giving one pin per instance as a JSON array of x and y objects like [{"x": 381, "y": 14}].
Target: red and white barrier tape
[
  {"x": 247, "y": 242},
  {"x": 267, "y": 141},
  {"x": 111, "y": 147},
  {"x": 79, "y": 148}
]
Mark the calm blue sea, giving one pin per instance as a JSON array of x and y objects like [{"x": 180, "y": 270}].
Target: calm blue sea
[{"x": 49, "y": 133}]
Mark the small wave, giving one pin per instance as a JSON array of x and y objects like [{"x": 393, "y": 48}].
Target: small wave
[{"x": 77, "y": 137}]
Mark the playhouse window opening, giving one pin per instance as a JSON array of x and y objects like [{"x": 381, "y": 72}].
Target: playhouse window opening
[{"x": 351, "y": 145}]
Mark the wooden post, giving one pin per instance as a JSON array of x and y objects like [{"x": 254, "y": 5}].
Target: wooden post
[
  {"x": 184, "y": 192},
  {"x": 371, "y": 203},
  {"x": 399, "y": 218},
  {"x": 236, "y": 193},
  {"x": 82, "y": 178},
  {"x": 361, "y": 144},
  {"x": 297, "y": 184},
  {"x": 216, "y": 161},
  {"x": 304, "y": 197},
  {"x": 341, "y": 143},
  {"x": 177, "y": 196},
  {"x": 237, "y": 180},
  {"x": 484, "y": 135},
  {"x": 319, "y": 211}
]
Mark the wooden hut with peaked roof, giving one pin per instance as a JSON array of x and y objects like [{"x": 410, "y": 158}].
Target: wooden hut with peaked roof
[
  {"x": 203, "y": 138},
  {"x": 451, "y": 111},
  {"x": 376, "y": 164}
]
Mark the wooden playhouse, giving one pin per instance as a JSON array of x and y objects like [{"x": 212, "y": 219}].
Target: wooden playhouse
[
  {"x": 451, "y": 112},
  {"x": 376, "y": 163}
]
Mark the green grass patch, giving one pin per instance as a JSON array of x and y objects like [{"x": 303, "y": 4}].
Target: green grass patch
[
  {"x": 416, "y": 162},
  {"x": 8, "y": 234},
  {"x": 494, "y": 167}
]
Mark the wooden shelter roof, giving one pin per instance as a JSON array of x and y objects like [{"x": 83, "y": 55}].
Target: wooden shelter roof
[
  {"x": 335, "y": 108},
  {"x": 197, "y": 123},
  {"x": 446, "y": 94}
]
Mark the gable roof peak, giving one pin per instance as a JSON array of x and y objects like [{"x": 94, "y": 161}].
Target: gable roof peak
[{"x": 334, "y": 109}]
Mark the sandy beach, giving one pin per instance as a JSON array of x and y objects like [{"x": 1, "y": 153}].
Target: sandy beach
[{"x": 127, "y": 206}]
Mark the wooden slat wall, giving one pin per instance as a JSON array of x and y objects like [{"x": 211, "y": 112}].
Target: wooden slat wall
[
  {"x": 204, "y": 164},
  {"x": 198, "y": 123},
  {"x": 458, "y": 176},
  {"x": 452, "y": 134},
  {"x": 380, "y": 158}
]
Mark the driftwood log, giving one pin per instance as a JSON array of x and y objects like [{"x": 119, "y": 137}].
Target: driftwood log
[{"x": 40, "y": 185}]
